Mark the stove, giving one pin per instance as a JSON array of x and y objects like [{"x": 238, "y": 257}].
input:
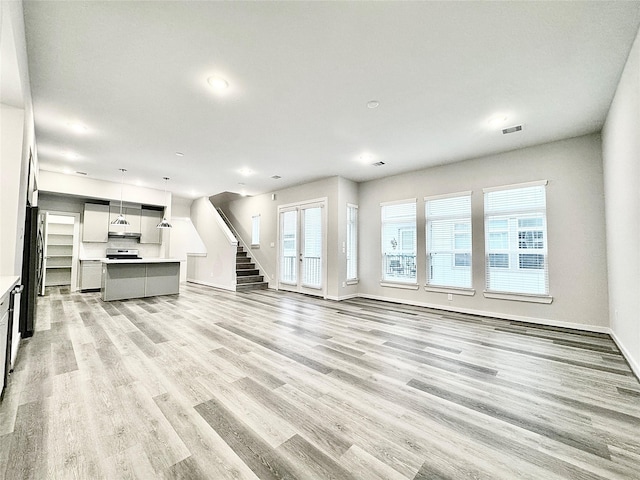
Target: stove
[{"x": 123, "y": 253}]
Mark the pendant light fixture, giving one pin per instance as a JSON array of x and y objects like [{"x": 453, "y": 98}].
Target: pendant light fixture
[
  {"x": 121, "y": 220},
  {"x": 164, "y": 223}
]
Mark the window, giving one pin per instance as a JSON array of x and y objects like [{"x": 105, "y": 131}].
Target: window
[
  {"x": 255, "y": 230},
  {"x": 449, "y": 240},
  {"x": 516, "y": 239},
  {"x": 352, "y": 242},
  {"x": 399, "y": 241},
  {"x": 289, "y": 247}
]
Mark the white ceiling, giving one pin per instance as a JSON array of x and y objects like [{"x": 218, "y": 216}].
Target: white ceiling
[{"x": 300, "y": 75}]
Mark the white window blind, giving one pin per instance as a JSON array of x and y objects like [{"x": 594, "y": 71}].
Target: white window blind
[
  {"x": 288, "y": 246},
  {"x": 255, "y": 230},
  {"x": 516, "y": 240},
  {"x": 312, "y": 254},
  {"x": 448, "y": 224},
  {"x": 352, "y": 242},
  {"x": 399, "y": 242}
]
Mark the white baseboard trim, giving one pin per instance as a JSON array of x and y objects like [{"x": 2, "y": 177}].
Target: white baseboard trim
[
  {"x": 343, "y": 297},
  {"x": 635, "y": 366},
  {"x": 504, "y": 316},
  {"x": 214, "y": 285}
]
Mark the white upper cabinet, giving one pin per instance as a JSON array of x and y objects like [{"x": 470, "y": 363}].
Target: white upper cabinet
[
  {"x": 149, "y": 219},
  {"x": 131, "y": 214},
  {"x": 96, "y": 223}
]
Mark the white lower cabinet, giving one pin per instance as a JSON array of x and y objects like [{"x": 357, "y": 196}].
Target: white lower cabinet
[{"x": 90, "y": 275}]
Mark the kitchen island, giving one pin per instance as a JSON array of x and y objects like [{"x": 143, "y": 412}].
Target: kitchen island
[{"x": 137, "y": 278}]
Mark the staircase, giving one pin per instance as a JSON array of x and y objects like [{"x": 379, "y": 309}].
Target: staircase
[{"x": 247, "y": 275}]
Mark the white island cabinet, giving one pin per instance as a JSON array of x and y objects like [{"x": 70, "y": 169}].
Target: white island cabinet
[
  {"x": 90, "y": 275},
  {"x": 122, "y": 279}
]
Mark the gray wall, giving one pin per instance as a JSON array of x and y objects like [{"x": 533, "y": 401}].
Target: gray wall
[
  {"x": 621, "y": 152},
  {"x": 338, "y": 192},
  {"x": 575, "y": 219},
  {"x": 218, "y": 267}
]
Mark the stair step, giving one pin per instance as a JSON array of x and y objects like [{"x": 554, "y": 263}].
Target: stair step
[
  {"x": 240, "y": 249},
  {"x": 243, "y": 266},
  {"x": 246, "y": 272},
  {"x": 242, "y": 259},
  {"x": 252, "y": 286},
  {"x": 249, "y": 279}
]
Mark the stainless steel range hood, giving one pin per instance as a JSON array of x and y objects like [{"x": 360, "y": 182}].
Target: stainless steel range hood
[{"x": 133, "y": 235}]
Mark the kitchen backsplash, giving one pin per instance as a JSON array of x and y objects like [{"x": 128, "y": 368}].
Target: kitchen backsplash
[{"x": 99, "y": 250}]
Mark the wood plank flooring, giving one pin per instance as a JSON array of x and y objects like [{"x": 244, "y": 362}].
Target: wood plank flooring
[{"x": 270, "y": 385}]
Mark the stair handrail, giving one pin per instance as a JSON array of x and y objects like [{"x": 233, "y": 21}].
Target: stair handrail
[{"x": 244, "y": 244}]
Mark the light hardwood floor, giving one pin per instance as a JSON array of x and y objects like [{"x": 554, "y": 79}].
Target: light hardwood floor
[{"x": 271, "y": 385}]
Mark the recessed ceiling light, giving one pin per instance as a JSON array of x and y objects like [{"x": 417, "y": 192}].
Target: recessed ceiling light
[
  {"x": 497, "y": 120},
  {"x": 245, "y": 172},
  {"x": 276, "y": 177},
  {"x": 67, "y": 171},
  {"x": 180, "y": 154},
  {"x": 365, "y": 157},
  {"x": 218, "y": 83},
  {"x": 373, "y": 104},
  {"x": 77, "y": 127},
  {"x": 70, "y": 155}
]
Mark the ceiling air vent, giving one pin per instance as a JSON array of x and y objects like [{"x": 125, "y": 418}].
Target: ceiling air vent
[
  {"x": 378, "y": 164},
  {"x": 276, "y": 177},
  {"x": 81, "y": 173},
  {"x": 514, "y": 129}
]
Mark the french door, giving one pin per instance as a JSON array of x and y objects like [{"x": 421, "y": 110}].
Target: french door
[{"x": 302, "y": 247}]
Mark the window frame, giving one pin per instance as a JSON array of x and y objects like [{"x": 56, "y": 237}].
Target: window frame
[
  {"x": 453, "y": 220},
  {"x": 514, "y": 217},
  {"x": 255, "y": 231},
  {"x": 399, "y": 281},
  {"x": 351, "y": 244}
]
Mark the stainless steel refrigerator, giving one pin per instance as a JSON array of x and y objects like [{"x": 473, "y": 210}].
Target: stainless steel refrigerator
[{"x": 32, "y": 262}]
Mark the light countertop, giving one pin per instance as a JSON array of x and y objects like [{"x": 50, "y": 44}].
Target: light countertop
[
  {"x": 7, "y": 282},
  {"x": 115, "y": 261}
]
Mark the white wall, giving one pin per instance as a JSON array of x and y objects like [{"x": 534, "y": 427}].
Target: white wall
[
  {"x": 76, "y": 185},
  {"x": 218, "y": 267},
  {"x": 575, "y": 219},
  {"x": 348, "y": 193},
  {"x": 11, "y": 128},
  {"x": 184, "y": 236},
  {"x": 621, "y": 153},
  {"x": 18, "y": 139}
]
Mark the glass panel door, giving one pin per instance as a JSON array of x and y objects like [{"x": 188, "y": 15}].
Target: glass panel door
[
  {"x": 301, "y": 248},
  {"x": 289, "y": 247},
  {"x": 312, "y": 247}
]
